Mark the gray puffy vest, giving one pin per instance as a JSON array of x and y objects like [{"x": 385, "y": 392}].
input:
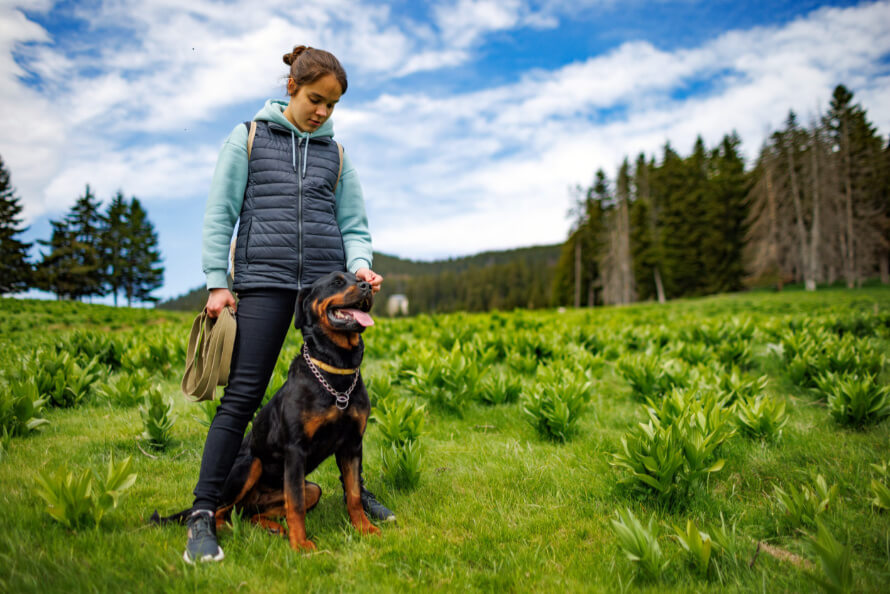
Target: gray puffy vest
[{"x": 288, "y": 235}]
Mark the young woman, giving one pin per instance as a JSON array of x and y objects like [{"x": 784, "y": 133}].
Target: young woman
[{"x": 300, "y": 218}]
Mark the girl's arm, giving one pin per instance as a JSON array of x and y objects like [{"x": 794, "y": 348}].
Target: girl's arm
[
  {"x": 352, "y": 220},
  {"x": 224, "y": 206}
]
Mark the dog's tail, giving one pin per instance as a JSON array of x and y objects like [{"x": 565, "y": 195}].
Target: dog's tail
[{"x": 177, "y": 518}]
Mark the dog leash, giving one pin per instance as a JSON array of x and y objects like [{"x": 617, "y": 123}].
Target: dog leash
[
  {"x": 209, "y": 355},
  {"x": 342, "y": 398}
]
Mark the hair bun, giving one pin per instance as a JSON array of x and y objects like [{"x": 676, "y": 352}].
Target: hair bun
[{"x": 292, "y": 57}]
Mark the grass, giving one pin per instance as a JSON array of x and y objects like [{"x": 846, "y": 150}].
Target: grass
[{"x": 498, "y": 508}]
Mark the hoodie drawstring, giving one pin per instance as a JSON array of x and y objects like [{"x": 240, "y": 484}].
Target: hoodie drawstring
[{"x": 293, "y": 150}]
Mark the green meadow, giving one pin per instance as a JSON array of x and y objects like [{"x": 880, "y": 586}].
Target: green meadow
[{"x": 732, "y": 443}]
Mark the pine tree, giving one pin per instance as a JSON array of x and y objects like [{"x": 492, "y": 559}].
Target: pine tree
[
  {"x": 724, "y": 218},
  {"x": 85, "y": 224},
  {"x": 114, "y": 244},
  {"x": 644, "y": 224},
  {"x": 16, "y": 273},
  {"x": 858, "y": 149},
  {"x": 59, "y": 269},
  {"x": 143, "y": 273},
  {"x": 670, "y": 188}
]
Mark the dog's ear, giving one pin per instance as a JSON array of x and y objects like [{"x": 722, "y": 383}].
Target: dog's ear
[{"x": 299, "y": 312}]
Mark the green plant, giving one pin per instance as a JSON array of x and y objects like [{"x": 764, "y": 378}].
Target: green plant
[
  {"x": 448, "y": 381},
  {"x": 500, "y": 388},
  {"x": 74, "y": 499},
  {"x": 208, "y": 409},
  {"x": 855, "y": 400},
  {"x": 555, "y": 405},
  {"x": 835, "y": 559},
  {"x": 380, "y": 388},
  {"x": 61, "y": 378},
  {"x": 639, "y": 543},
  {"x": 761, "y": 417},
  {"x": 694, "y": 353},
  {"x": 677, "y": 447},
  {"x": 653, "y": 455},
  {"x": 400, "y": 420},
  {"x": 734, "y": 386},
  {"x": 803, "y": 506},
  {"x": 20, "y": 407},
  {"x": 525, "y": 364},
  {"x": 100, "y": 346},
  {"x": 126, "y": 388},
  {"x": 401, "y": 464},
  {"x": 802, "y": 357},
  {"x": 697, "y": 544},
  {"x": 644, "y": 374},
  {"x": 879, "y": 488},
  {"x": 157, "y": 419}
]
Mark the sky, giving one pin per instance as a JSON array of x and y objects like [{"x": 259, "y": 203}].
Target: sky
[{"x": 469, "y": 121}]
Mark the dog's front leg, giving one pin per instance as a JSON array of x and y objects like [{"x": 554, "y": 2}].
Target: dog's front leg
[
  {"x": 295, "y": 499},
  {"x": 349, "y": 460}
]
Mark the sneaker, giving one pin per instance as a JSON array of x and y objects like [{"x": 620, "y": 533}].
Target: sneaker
[
  {"x": 375, "y": 509},
  {"x": 202, "y": 545}
]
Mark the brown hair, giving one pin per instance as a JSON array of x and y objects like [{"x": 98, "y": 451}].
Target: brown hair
[{"x": 308, "y": 64}]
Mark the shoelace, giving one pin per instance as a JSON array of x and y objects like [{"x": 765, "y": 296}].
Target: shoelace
[{"x": 202, "y": 526}]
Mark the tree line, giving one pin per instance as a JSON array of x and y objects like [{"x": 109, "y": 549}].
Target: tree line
[
  {"x": 91, "y": 252},
  {"x": 814, "y": 209}
]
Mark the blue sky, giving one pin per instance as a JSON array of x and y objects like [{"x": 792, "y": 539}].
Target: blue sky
[{"x": 469, "y": 121}]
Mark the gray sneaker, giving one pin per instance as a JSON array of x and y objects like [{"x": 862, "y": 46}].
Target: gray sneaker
[
  {"x": 375, "y": 509},
  {"x": 202, "y": 545}
]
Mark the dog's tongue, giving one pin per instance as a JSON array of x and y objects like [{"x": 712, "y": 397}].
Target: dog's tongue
[{"x": 359, "y": 316}]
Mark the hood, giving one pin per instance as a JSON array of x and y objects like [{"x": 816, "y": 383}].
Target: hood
[{"x": 273, "y": 110}]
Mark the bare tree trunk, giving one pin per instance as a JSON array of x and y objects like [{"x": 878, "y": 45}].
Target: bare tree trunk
[
  {"x": 773, "y": 228},
  {"x": 659, "y": 287},
  {"x": 798, "y": 211},
  {"x": 884, "y": 265},
  {"x": 577, "y": 270},
  {"x": 624, "y": 260},
  {"x": 848, "y": 252},
  {"x": 815, "y": 238}
]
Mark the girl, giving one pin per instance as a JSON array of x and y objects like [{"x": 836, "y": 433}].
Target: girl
[{"x": 300, "y": 218}]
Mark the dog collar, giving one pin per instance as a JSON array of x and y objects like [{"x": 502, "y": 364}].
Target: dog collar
[
  {"x": 331, "y": 368},
  {"x": 341, "y": 398}
]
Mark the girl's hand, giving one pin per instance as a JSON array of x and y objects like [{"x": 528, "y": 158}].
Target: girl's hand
[
  {"x": 371, "y": 277},
  {"x": 219, "y": 298}
]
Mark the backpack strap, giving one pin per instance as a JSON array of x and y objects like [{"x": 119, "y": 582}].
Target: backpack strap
[
  {"x": 339, "y": 171},
  {"x": 251, "y": 132}
]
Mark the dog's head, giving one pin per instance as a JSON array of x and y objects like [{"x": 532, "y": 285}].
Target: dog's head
[{"x": 336, "y": 305}]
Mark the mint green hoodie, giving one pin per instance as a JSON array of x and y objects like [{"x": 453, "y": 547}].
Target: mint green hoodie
[{"x": 227, "y": 194}]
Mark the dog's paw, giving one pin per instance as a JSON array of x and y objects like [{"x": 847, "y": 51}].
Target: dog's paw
[
  {"x": 306, "y": 546},
  {"x": 366, "y": 528}
]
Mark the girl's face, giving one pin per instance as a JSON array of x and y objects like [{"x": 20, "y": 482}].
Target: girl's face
[{"x": 312, "y": 104}]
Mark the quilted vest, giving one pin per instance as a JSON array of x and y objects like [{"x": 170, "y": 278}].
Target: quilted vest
[{"x": 288, "y": 234}]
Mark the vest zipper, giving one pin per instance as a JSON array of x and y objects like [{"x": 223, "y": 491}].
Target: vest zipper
[{"x": 300, "y": 227}]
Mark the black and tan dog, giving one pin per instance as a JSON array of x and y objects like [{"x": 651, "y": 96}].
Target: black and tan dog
[{"x": 322, "y": 409}]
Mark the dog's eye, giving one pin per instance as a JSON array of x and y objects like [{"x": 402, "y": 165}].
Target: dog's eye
[{"x": 339, "y": 282}]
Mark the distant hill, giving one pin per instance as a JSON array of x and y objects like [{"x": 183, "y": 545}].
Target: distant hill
[{"x": 503, "y": 279}]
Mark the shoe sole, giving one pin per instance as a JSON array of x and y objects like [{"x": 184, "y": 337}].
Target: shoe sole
[{"x": 218, "y": 557}]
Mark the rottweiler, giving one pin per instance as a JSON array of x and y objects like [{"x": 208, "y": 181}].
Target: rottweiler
[{"x": 322, "y": 409}]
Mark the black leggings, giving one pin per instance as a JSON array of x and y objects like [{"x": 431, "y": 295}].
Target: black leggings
[{"x": 263, "y": 317}]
